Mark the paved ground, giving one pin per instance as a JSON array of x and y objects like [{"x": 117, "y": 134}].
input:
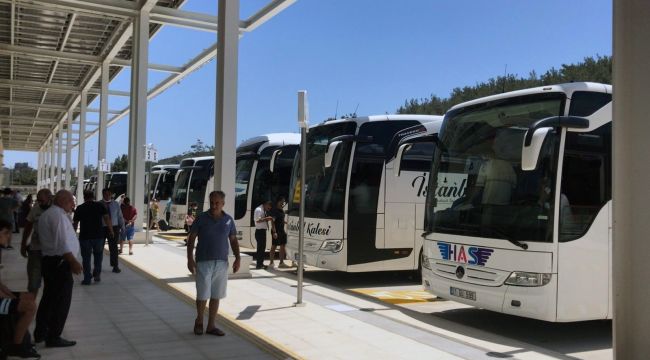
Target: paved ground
[
  {"x": 135, "y": 315},
  {"x": 127, "y": 316}
]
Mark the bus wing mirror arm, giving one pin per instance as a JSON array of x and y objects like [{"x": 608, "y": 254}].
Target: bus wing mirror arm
[
  {"x": 329, "y": 154},
  {"x": 273, "y": 157},
  {"x": 536, "y": 133},
  {"x": 398, "y": 159}
]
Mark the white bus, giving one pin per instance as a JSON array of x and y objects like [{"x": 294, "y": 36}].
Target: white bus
[
  {"x": 263, "y": 172},
  {"x": 529, "y": 232},
  {"x": 359, "y": 216}
]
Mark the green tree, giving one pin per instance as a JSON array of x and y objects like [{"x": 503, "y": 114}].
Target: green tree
[
  {"x": 121, "y": 163},
  {"x": 598, "y": 69}
]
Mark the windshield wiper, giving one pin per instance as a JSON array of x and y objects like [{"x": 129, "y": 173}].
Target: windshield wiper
[{"x": 512, "y": 241}]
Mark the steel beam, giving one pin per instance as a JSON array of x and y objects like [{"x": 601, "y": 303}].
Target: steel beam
[
  {"x": 39, "y": 53},
  {"x": 20, "y": 104},
  {"x": 59, "y": 160},
  {"x": 68, "y": 152},
  {"x": 52, "y": 162},
  {"x": 138, "y": 118},
  {"x": 35, "y": 85},
  {"x": 155, "y": 67},
  {"x": 226, "y": 100},
  {"x": 631, "y": 176},
  {"x": 81, "y": 148},
  {"x": 103, "y": 119}
]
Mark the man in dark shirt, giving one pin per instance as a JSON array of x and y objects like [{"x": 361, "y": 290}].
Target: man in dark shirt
[{"x": 92, "y": 216}]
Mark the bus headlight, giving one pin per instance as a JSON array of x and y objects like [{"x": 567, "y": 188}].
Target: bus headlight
[
  {"x": 332, "y": 245},
  {"x": 425, "y": 263},
  {"x": 521, "y": 278}
]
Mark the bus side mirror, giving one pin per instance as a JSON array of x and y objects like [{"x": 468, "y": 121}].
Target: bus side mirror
[
  {"x": 273, "y": 157},
  {"x": 398, "y": 159},
  {"x": 536, "y": 133},
  {"x": 329, "y": 155},
  {"x": 530, "y": 152}
]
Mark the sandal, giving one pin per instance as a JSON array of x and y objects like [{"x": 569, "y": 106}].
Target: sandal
[
  {"x": 198, "y": 328},
  {"x": 215, "y": 331},
  {"x": 130, "y": 252}
]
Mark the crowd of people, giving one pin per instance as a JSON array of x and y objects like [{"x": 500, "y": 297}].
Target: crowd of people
[{"x": 51, "y": 245}]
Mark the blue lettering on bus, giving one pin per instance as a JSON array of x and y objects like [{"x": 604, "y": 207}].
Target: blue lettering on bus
[{"x": 477, "y": 255}]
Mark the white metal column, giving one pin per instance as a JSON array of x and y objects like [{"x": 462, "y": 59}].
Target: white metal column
[
  {"x": 138, "y": 115},
  {"x": 226, "y": 112},
  {"x": 59, "y": 160},
  {"x": 68, "y": 151},
  {"x": 83, "y": 103},
  {"x": 103, "y": 119},
  {"x": 38, "y": 168},
  {"x": 631, "y": 269},
  {"x": 52, "y": 160}
]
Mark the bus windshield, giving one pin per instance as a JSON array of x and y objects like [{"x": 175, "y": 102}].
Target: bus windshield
[
  {"x": 477, "y": 187},
  {"x": 202, "y": 172},
  {"x": 180, "y": 189},
  {"x": 162, "y": 184},
  {"x": 325, "y": 187}
]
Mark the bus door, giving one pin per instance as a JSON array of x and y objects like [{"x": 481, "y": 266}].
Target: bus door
[
  {"x": 406, "y": 191},
  {"x": 364, "y": 227},
  {"x": 584, "y": 279}
]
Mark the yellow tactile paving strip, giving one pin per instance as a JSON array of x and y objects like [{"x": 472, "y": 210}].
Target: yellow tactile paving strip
[{"x": 397, "y": 296}]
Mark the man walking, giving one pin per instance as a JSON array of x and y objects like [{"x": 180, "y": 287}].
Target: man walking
[
  {"x": 93, "y": 216},
  {"x": 33, "y": 251},
  {"x": 261, "y": 228},
  {"x": 214, "y": 229},
  {"x": 117, "y": 223},
  {"x": 60, "y": 249}
]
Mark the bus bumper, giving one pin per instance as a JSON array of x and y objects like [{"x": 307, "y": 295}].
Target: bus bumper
[{"x": 531, "y": 302}]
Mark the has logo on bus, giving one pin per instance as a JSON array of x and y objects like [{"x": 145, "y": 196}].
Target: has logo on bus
[{"x": 473, "y": 255}]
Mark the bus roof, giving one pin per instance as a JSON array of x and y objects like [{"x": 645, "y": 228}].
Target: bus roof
[
  {"x": 166, "y": 166},
  {"x": 274, "y": 139},
  {"x": 386, "y": 117},
  {"x": 567, "y": 88}
]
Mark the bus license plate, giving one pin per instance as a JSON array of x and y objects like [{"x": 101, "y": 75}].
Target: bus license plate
[{"x": 465, "y": 294}]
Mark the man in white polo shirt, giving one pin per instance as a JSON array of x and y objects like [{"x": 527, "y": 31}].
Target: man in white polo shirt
[
  {"x": 261, "y": 227},
  {"x": 60, "y": 248}
]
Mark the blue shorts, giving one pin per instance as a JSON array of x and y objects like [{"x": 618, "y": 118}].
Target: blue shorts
[
  {"x": 129, "y": 232},
  {"x": 211, "y": 279}
]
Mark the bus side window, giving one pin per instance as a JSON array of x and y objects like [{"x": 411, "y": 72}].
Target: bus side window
[{"x": 418, "y": 158}]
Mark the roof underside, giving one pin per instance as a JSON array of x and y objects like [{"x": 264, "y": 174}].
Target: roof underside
[{"x": 48, "y": 53}]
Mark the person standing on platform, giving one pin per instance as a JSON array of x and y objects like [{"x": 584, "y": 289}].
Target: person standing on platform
[
  {"x": 117, "y": 224},
  {"x": 93, "y": 217},
  {"x": 130, "y": 214},
  {"x": 60, "y": 248},
  {"x": 278, "y": 232},
  {"x": 261, "y": 228},
  {"x": 32, "y": 251},
  {"x": 214, "y": 229}
]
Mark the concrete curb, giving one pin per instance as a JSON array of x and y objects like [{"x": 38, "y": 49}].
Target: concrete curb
[{"x": 275, "y": 349}]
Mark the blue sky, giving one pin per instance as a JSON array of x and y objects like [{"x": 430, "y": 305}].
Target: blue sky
[{"x": 369, "y": 54}]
